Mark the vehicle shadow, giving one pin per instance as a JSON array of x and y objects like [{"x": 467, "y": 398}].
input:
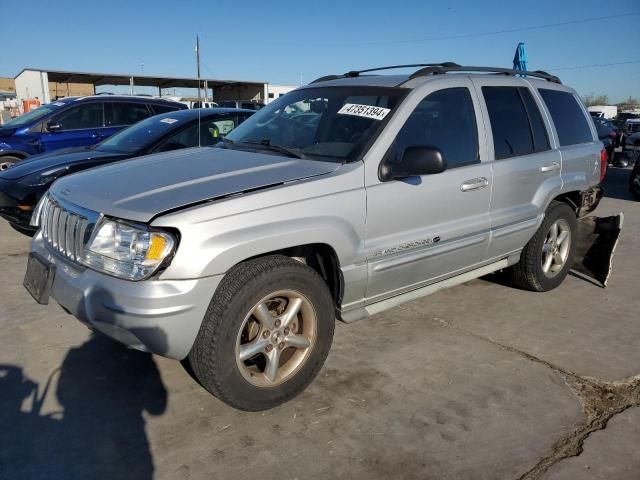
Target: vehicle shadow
[{"x": 104, "y": 389}]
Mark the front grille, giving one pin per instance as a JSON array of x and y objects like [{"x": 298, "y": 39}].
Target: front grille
[{"x": 63, "y": 229}]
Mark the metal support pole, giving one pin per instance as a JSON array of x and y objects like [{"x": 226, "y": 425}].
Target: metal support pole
[{"x": 131, "y": 86}]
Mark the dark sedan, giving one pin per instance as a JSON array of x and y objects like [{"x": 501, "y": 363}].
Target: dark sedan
[
  {"x": 612, "y": 138},
  {"x": 22, "y": 185}
]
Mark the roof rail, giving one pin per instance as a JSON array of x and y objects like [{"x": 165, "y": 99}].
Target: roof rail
[
  {"x": 442, "y": 68},
  {"x": 356, "y": 73}
]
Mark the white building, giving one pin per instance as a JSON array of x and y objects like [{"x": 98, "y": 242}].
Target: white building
[{"x": 276, "y": 91}]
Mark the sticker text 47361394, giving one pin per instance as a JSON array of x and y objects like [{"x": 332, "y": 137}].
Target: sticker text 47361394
[{"x": 366, "y": 111}]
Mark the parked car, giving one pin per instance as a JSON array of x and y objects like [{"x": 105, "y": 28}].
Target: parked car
[
  {"x": 613, "y": 139},
  {"x": 621, "y": 120},
  {"x": 22, "y": 185},
  {"x": 249, "y": 104},
  {"x": 608, "y": 112},
  {"x": 74, "y": 122},
  {"x": 203, "y": 104},
  {"x": 399, "y": 185},
  {"x": 633, "y": 154}
]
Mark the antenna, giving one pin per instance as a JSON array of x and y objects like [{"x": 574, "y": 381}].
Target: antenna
[{"x": 199, "y": 90}]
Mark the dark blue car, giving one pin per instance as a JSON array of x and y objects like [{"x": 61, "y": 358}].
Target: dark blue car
[
  {"x": 74, "y": 122},
  {"x": 22, "y": 185}
]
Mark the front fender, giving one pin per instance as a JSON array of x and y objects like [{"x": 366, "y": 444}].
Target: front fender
[{"x": 218, "y": 253}]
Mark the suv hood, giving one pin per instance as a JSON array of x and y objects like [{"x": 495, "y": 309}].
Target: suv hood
[{"x": 143, "y": 188}]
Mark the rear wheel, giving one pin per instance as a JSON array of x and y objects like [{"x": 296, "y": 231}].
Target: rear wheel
[
  {"x": 266, "y": 334},
  {"x": 547, "y": 258},
  {"x": 8, "y": 161}
]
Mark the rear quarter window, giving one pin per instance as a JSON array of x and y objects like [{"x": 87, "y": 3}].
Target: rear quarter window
[{"x": 568, "y": 117}]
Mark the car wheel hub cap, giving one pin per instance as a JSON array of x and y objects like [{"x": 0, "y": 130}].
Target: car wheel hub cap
[
  {"x": 276, "y": 338},
  {"x": 555, "y": 249}
]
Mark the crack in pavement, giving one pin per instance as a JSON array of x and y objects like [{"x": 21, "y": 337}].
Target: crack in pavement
[{"x": 600, "y": 402}]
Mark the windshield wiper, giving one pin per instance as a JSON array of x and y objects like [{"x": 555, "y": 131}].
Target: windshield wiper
[{"x": 266, "y": 143}]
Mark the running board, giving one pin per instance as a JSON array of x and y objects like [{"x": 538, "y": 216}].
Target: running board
[{"x": 381, "y": 306}]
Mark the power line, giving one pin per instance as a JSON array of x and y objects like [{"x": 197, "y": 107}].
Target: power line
[
  {"x": 593, "y": 65},
  {"x": 467, "y": 35},
  {"x": 500, "y": 32}
]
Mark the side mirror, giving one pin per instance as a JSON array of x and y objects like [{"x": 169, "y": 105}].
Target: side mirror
[
  {"x": 416, "y": 160},
  {"x": 53, "y": 126}
]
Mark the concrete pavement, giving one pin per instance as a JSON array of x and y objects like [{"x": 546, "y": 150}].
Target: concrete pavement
[{"x": 481, "y": 381}]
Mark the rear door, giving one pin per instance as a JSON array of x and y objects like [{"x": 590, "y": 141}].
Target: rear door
[
  {"x": 424, "y": 228},
  {"x": 576, "y": 137},
  {"x": 76, "y": 127},
  {"x": 526, "y": 169}
]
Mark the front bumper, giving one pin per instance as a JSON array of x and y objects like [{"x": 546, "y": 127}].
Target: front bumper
[
  {"x": 158, "y": 316},
  {"x": 9, "y": 207}
]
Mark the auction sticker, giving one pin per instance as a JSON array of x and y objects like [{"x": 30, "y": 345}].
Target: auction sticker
[
  {"x": 169, "y": 120},
  {"x": 365, "y": 111}
]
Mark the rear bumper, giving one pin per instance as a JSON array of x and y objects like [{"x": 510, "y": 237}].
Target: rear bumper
[
  {"x": 158, "y": 316},
  {"x": 589, "y": 200}
]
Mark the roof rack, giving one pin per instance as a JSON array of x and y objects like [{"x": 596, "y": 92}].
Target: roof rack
[
  {"x": 357, "y": 73},
  {"x": 442, "y": 68}
]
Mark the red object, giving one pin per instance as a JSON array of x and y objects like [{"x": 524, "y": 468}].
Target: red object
[
  {"x": 603, "y": 164},
  {"x": 31, "y": 104}
]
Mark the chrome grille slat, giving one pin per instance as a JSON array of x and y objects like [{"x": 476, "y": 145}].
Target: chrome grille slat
[
  {"x": 82, "y": 228},
  {"x": 54, "y": 226},
  {"x": 64, "y": 229}
]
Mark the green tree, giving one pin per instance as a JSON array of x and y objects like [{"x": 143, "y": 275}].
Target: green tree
[{"x": 593, "y": 99}]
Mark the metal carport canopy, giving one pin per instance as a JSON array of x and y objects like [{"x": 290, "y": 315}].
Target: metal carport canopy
[{"x": 97, "y": 79}]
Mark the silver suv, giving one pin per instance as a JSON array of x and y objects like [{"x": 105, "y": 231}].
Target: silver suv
[{"x": 346, "y": 197}]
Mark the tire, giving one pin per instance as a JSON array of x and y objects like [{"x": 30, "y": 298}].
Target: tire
[
  {"x": 28, "y": 231},
  {"x": 7, "y": 161},
  {"x": 529, "y": 273},
  {"x": 236, "y": 324}
]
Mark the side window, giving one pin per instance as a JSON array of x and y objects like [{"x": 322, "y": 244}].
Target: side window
[
  {"x": 125, "y": 113},
  {"x": 185, "y": 138},
  {"x": 568, "y": 117},
  {"x": 158, "y": 109},
  {"x": 538, "y": 130},
  {"x": 213, "y": 131},
  {"x": 80, "y": 117},
  {"x": 509, "y": 122},
  {"x": 446, "y": 120}
]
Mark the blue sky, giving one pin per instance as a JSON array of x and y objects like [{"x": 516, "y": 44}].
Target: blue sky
[{"x": 283, "y": 41}]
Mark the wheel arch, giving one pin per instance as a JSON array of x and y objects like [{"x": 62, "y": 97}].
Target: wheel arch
[
  {"x": 322, "y": 258},
  {"x": 14, "y": 153}
]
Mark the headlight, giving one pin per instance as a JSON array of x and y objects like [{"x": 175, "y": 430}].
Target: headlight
[{"x": 126, "y": 250}]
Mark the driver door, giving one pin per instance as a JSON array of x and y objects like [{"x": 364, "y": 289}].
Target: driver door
[
  {"x": 422, "y": 229},
  {"x": 77, "y": 126}
]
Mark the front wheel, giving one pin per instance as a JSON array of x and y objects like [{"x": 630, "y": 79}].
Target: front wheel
[
  {"x": 7, "y": 161},
  {"x": 265, "y": 335},
  {"x": 547, "y": 258}
]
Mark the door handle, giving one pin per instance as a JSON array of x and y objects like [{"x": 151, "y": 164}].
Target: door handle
[
  {"x": 474, "y": 184},
  {"x": 550, "y": 167}
]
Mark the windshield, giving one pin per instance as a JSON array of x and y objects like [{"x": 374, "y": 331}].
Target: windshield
[
  {"x": 33, "y": 115},
  {"x": 328, "y": 123},
  {"x": 141, "y": 134}
]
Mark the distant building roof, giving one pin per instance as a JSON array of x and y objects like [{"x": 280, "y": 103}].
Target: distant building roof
[{"x": 65, "y": 76}]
